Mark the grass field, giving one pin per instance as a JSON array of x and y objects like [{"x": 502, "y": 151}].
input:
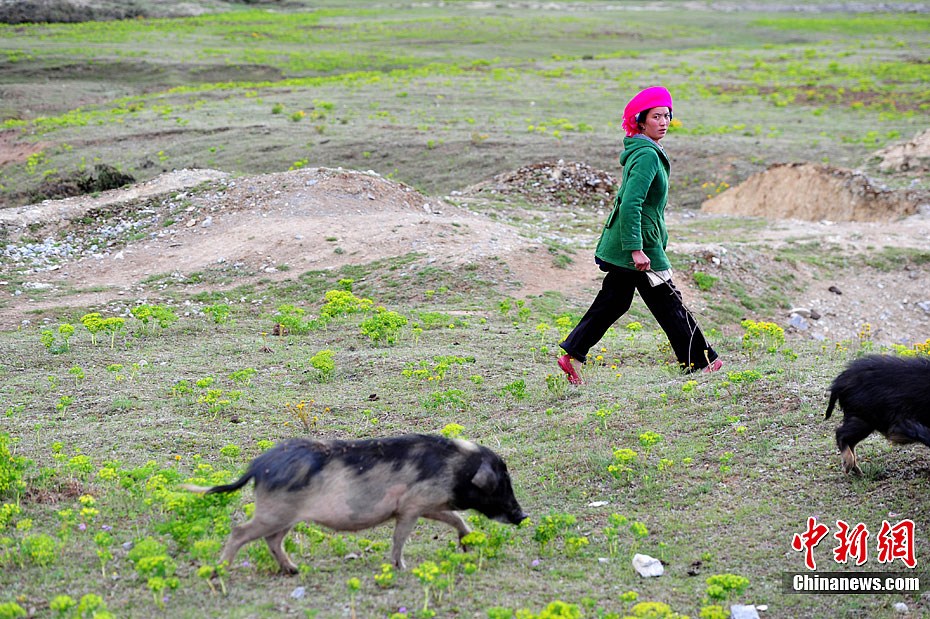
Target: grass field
[
  {"x": 722, "y": 470},
  {"x": 103, "y": 417}
]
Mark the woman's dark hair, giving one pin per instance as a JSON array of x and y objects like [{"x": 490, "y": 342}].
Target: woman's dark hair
[{"x": 642, "y": 115}]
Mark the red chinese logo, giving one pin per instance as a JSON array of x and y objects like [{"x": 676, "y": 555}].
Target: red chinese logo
[
  {"x": 897, "y": 542},
  {"x": 807, "y": 540},
  {"x": 853, "y": 543},
  {"x": 893, "y": 542}
]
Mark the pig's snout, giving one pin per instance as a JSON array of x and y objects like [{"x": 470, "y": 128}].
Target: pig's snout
[{"x": 513, "y": 517}]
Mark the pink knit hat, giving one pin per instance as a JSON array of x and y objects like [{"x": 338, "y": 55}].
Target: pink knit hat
[{"x": 655, "y": 96}]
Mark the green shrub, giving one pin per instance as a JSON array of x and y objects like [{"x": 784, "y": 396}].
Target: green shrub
[
  {"x": 323, "y": 363},
  {"x": 11, "y": 469},
  {"x": 41, "y": 549},
  {"x": 384, "y": 326}
]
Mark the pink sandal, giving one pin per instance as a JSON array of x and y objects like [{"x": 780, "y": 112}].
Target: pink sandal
[
  {"x": 715, "y": 365},
  {"x": 565, "y": 364}
]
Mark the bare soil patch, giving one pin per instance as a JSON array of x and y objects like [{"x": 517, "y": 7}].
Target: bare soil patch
[
  {"x": 12, "y": 150},
  {"x": 270, "y": 226}
]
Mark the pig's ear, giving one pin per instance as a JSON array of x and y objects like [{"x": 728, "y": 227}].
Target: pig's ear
[{"x": 485, "y": 478}]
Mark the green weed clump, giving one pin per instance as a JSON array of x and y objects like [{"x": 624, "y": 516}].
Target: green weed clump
[
  {"x": 12, "y": 469},
  {"x": 163, "y": 316},
  {"x": 704, "y": 281},
  {"x": 218, "y": 312},
  {"x": 324, "y": 365},
  {"x": 761, "y": 335},
  {"x": 384, "y": 326}
]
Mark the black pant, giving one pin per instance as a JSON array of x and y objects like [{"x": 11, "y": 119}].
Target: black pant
[{"x": 664, "y": 301}]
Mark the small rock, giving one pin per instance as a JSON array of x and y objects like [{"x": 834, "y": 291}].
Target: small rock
[
  {"x": 924, "y": 305},
  {"x": 835, "y": 290},
  {"x": 739, "y": 611},
  {"x": 900, "y": 607},
  {"x": 298, "y": 593},
  {"x": 797, "y": 321},
  {"x": 800, "y": 311},
  {"x": 647, "y": 566},
  {"x": 598, "y": 503}
]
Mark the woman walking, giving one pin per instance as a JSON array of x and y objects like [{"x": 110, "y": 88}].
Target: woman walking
[{"x": 632, "y": 246}]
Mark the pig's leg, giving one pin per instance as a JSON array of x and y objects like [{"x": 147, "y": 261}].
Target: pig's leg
[
  {"x": 275, "y": 544},
  {"x": 850, "y": 432},
  {"x": 259, "y": 526},
  {"x": 453, "y": 519},
  {"x": 402, "y": 530}
]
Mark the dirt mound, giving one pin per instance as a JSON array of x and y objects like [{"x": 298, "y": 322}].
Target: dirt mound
[
  {"x": 811, "y": 192},
  {"x": 51, "y": 215},
  {"x": 912, "y": 156},
  {"x": 554, "y": 183},
  {"x": 250, "y": 228}
]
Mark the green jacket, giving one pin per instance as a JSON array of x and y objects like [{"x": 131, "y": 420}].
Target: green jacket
[{"x": 637, "y": 220}]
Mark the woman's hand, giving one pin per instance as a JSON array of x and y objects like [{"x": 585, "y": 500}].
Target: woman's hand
[{"x": 641, "y": 260}]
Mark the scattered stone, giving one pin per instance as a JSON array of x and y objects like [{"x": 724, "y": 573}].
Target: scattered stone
[
  {"x": 834, "y": 290},
  {"x": 797, "y": 321},
  {"x": 900, "y": 607},
  {"x": 800, "y": 311},
  {"x": 298, "y": 593},
  {"x": 739, "y": 611},
  {"x": 37, "y": 286},
  {"x": 647, "y": 566},
  {"x": 924, "y": 305}
]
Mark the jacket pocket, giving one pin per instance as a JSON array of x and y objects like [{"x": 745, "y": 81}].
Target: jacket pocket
[
  {"x": 652, "y": 235},
  {"x": 614, "y": 213}
]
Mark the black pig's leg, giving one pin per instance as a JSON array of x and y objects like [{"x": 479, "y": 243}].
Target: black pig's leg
[
  {"x": 909, "y": 431},
  {"x": 850, "y": 432}
]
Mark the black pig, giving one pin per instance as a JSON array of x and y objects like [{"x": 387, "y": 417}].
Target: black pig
[
  {"x": 354, "y": 485},
  {"x": 885, "y": 393}
]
